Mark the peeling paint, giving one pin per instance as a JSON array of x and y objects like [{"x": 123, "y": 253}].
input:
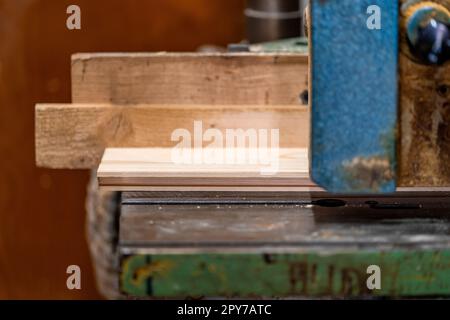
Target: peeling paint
[{"x": 367, "y": 173}]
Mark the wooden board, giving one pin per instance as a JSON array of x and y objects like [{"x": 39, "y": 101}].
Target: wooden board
[
  {"x": 424, "y": 148},
  {"x": 154, "y": 170},
  {"x": 74, "y": 136},
  {"x": 144, "y": 168},
  {"x": 189, "y": 78}
]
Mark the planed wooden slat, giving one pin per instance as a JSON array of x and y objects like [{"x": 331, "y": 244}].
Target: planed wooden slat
[
  {"x": 74, "y": 136},
  {"x": 145, "y": 168},
  {"x": 189, "y": 78},
  {"x": 156, "y": 170}
]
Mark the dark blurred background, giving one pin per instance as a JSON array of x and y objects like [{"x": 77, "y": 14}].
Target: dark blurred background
[{"x": 42, "y": 213}]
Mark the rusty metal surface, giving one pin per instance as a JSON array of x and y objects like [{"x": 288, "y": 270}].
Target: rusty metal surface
[{"x": 424, "y": 149}]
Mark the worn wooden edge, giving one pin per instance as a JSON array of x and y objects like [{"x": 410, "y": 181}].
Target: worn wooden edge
[
  {"x": 237, "y": 188},
  {"x": 302, "y": 57}
]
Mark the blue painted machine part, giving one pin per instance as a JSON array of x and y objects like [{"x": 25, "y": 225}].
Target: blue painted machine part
[{"x": 354, "y": 95}]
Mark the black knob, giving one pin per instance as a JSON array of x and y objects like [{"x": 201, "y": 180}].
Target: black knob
[{"x": 428, "y": 34}]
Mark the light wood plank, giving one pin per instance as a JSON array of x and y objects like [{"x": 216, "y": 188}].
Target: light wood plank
[
  {"x": 157, "y": 167},
  {"x": 156, "y": 170},
  {"x": 75, "y": 136},
  {"x": 189, "y": 78}
]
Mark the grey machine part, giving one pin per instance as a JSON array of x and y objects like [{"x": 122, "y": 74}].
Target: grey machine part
[{"x": 269, "y": 20}]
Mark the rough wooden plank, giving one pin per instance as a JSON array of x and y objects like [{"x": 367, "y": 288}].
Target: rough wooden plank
[
  {"x": 75, "y": 136},
  {"x": 156, "y": 167},
  {"x": 189, "y": 78},
  {"x": 424, "y": 148}
]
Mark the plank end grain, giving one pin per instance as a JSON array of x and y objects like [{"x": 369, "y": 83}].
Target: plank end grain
[{"x": 63, "y": 136}]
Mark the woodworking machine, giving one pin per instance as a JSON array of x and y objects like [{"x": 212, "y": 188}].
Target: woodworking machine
[
  {"x": 379, "y": 98},
  {"x": 380, "y": 145},
  {"x": 380, "y": 94}
]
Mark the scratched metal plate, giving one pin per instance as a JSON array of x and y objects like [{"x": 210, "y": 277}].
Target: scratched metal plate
[{"x": 354, "y": 96}]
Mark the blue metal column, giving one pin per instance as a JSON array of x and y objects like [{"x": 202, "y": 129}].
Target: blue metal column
[{"x": 354, "y": 94}]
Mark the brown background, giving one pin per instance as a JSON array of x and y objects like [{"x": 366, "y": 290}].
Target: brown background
[{"x": 42, "y": 211}]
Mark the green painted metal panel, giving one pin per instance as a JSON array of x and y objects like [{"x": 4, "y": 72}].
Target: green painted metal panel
[{"x": 403, "y": 273}]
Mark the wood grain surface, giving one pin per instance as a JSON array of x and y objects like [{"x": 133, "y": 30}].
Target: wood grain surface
[
  {"x": 159, "y": 170},
  {"x": 189, "y": 78},
  {"x": 144, "y": 168}
]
